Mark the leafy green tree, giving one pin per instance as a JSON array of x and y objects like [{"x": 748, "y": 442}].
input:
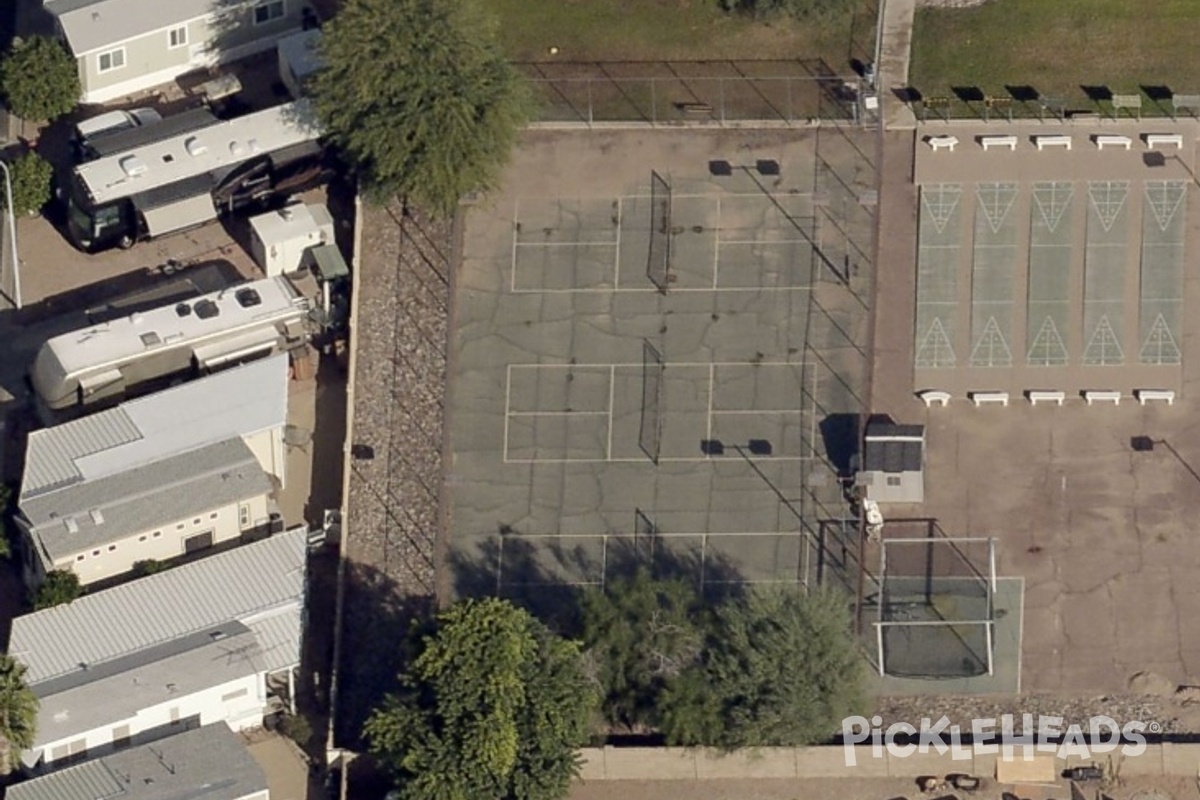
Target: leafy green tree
[
  {"x": 639, "y": 635},
  {"x": 61, "y": 586},
  {"x": 18, "y": 708},
  {"x": 493, "y": 706},
  {"x": 781, "y": 668},
  {"x": 39, "y": 79},
  {"x": 419, "y": 96},
  {"x": 148, "y": 566},
  {"x": 31, "y": 183}
]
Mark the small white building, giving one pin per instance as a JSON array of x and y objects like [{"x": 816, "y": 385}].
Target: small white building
[
  {"x": 191, "y": 646},
  {"x": 210, "y": 763},
  {"x": 156, "y": 478},
  {"x": 893, "y": 463}
]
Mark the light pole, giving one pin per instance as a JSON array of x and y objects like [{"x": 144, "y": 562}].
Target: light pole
[{"x": 12, "y": 235}]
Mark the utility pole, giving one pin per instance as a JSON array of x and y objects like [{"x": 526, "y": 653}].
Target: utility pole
[{"x": 12, "y": 236}]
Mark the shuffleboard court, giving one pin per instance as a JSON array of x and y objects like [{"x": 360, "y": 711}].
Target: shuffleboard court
[{"x": 939, "y": 241}]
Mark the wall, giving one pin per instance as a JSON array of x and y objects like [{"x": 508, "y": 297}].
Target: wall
[
  {"x": 677, "y": 763},
  {"x": 241, "y": 713},
  {"x": 117, "y": 558},
  {"x": 268, "y": 448}
]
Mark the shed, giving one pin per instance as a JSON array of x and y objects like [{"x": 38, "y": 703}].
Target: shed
[
  {"x": 280, "y": 240},
  {"x": 893, "y": 463}
]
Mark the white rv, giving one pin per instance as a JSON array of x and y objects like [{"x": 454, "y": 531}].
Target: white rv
[{"x": 126, "y": 356}]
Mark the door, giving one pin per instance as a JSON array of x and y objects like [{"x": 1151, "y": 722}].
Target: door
[{"x": 200, "y": 541}]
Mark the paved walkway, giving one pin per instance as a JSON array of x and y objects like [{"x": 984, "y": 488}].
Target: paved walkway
[{"x": 893, "y": 62}]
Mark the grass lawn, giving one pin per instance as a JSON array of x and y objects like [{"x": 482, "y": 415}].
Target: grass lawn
[
  {"x": 670, "y": 30},
  {"x": 1058, "y": 46}
]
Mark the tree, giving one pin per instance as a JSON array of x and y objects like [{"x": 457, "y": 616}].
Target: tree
[
  {"x": 492, "y": 706},
  {"x": 61, "y": 586},
  {"x": 781, "y": 669},
  {"x": 418, "y": 95},
  {"x": 31, "y": 179},
  {"x": 18, "y": 708},
  {"x": 39, "y": 79},
  {"x": 639, "y": 635}
]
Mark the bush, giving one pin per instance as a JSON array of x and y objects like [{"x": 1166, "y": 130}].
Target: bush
[
  {"x": 39, "y": 79},
  {"x": 297, "y": 728},
  {"x": 60, "y": 586},
  {"x": 31, "y": 184},
  {"x": 148, "y": 567},
  {"x": 815, "y": 11}
]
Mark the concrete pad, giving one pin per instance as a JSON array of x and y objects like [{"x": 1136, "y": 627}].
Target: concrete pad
[
  {"x": 643, "y": 763},
  {"x": 766, "y": 762},
  {"x": 1153, "y": 761},
  {"x": 1176, "y": 759},
  {"x": 830, "y": 762},
  {"x": 286, "y": 769},
  {"x": 591, "y": 766}
]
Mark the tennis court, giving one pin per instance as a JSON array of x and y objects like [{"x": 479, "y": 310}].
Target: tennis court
[{"x": 635, "y": 378}]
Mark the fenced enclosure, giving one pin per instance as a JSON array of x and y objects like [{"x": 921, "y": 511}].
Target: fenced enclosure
[
  {"x": 936, "y": 610},
  {"x": 719, "y": 92},
  {"x": 1022, "y": 102}
]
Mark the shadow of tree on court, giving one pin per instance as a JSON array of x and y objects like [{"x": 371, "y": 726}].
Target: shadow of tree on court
[{"x": 536, "y": 577}]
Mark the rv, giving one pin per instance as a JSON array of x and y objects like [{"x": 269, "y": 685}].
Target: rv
[
  {"x": 103, "y": 364},
  {"x": 112, "y": 141},
  {"x": 187, "y": 180}
]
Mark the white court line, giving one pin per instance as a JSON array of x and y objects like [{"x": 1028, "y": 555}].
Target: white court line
[
  {"x": 672, "y": 290},
  {"x": 617, "y": 250},
  {"x": 762, "y": 241},
  {"x": 717, "y": 249},
  {"x": 557, "y": 413},
  {"x": 1020, "y": 634},
  {"x": 638, "y": 364},
  {"x": 758, "y": 411},
  {"x": 663, "y": 534},
  {"x": 712, "y": 389},
  {"x": 644, "y": 460},
  {"x": 612, "y": 388},
  {"x": 515, "y": 234},
  {"x": 606, "y": 243},
  {"x": 507, "y": 405},
  {"x": 675, "y": 195}
]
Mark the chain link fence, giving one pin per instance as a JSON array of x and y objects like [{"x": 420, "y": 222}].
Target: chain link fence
[{"x": 675, "y": 92}]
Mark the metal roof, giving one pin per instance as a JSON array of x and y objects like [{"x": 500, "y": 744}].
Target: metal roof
[
  {"x": 112, "y": 343},
  {"x": 161, "y": 678},
  {"x": 200, "y": 152},
  {"x": 893, "y": 448},
  {"x": 278, "y": 634},
  {"x": 236, "y": 402},
  {"x": 209, "y": 762},
  {"x": 120, "y": 621},
  {"x": 92, "y": 24},
  {"x": 85, "y": 515}
]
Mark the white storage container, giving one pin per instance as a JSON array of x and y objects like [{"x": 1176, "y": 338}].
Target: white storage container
[{"x": 280, "y": 240}]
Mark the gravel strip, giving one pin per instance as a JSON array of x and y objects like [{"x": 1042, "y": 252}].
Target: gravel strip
[{"x": 391, "y": 527}]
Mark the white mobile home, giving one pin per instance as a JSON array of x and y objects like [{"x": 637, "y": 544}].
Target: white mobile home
[
  {"x": 210, "y": 762},
  {"x": 156, "y": 478},
  {"x": 128, "y": 46},
  {"x": 194, "y": 645}
]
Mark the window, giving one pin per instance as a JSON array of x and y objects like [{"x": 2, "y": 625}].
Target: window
[
  {"x": 79, "y": 557},
  {"x": 157, "y": 534},
  {"x": 179, "y": 527},
  {"x": 95, "y": 553},
  {"x": 196, "y": 521},
  {"x": 268, "y": 10},
  {"x": 177, "y": 37},
  {"x": 112, "y": 547},
  {"x": 893, "y": 480},
  {"x": 142, "y": 538},
  {"x": 110, "y": 60},
  {"x": 244, "y": 516},
  {"x": 226, "y": 698}
]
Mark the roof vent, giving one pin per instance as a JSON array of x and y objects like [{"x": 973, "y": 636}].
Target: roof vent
[
  {"x": 151, "y": 339},
  {"x": 133, "y": 166},
  {"x": 72, "y": 525},
  {"x": 254, "y": 146},
  {"x": 97, "y": 517},
  {"x": 194, "y": 146},
  {"x": 235, "y": 148}
]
